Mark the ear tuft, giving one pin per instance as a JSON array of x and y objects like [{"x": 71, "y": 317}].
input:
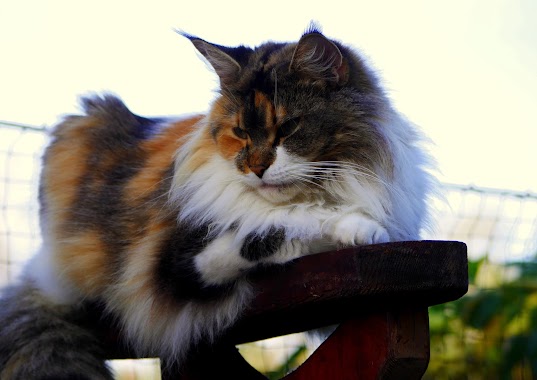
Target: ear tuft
[
  {"x": 226, "y": 67},
  {"x": 314, "y": 27},
  {"x": 319, "y": 58}
]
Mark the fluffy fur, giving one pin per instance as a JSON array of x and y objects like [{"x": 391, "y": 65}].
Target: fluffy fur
[{"x": 161, "y": 221}]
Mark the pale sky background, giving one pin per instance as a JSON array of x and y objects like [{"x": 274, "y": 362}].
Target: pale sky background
[{"x": 465, "y": 71}]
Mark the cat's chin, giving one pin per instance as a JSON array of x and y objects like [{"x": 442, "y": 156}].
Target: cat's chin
[{"x": 277, "y": 193}]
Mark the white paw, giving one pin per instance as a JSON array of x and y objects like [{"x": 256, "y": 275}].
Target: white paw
[
  {"x": 289, "y": 250},
  {"x": 221, "y": 261},
  {"x": 356, "y": 229}
]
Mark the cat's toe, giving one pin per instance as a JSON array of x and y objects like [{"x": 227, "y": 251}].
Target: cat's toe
[
  {"x": 380, "y": 236},
  {"x": 356, "y": 229},
  {"x": 289, "y": 251}
]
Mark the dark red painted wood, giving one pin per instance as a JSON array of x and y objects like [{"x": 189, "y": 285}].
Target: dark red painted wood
[
  {"x": 379, "y": 295},
  {"x": 356, "y": 350},
  {"x": 383, "y": 345},
  {"x": 329, "y": 287}
]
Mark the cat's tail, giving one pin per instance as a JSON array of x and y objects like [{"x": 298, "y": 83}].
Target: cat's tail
[{"x": 41, "y": 340}]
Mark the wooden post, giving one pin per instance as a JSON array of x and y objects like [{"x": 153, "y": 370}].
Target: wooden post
[{"x": 383, "y": 345}]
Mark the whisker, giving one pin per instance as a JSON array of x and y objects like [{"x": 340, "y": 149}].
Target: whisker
[
  {"x": 303, "y": 179},
  {"x": 339, "y": 168}
]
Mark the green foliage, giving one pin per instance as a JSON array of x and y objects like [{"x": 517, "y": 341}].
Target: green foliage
[
  {"x": 491, "y": 333},
  {"x": 292, "y": 362}
]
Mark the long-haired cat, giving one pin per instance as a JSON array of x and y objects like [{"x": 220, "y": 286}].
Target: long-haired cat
[{"x": 160, "y": 221}]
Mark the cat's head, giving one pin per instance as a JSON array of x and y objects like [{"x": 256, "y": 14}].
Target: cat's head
[{"x": 294, "y": 117}]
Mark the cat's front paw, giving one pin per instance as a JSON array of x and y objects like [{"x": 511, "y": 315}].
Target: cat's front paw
[
  {"x": 357, "y": 229},
  {"x": 289, "y": 250},
  {"x": 221, "y": 262}
]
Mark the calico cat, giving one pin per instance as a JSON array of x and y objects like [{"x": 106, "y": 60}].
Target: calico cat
[{"x": 160, "y": 221}]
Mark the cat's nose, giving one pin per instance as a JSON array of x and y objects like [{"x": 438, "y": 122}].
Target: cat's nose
[{"x": 259, "y": 170}]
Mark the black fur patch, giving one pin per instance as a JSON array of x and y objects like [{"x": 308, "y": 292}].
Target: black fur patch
[
  {"x": 120, "y": 125},
  {"x": 256, "y": 248},
  {"x": 176, "y": 273},
  {"x": 115, "y": 158}
]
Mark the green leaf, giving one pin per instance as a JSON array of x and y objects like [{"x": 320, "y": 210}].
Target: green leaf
[
  {"x": 473, "y": 268},
  {"x": 515, "y": 351},
  {"x": 482, "y": 308},
  {"x": 528, "y": 270},
  {"x": 288, "y": 365}
]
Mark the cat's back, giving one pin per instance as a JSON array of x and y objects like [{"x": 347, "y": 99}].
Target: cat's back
[
  {"x": 108, "y": 147},
  {"x": 104, "y": 181},
  {"x": 107, "y": 128}
]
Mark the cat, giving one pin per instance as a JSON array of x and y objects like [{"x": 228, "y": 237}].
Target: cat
[{"x": 160, "y": 221}]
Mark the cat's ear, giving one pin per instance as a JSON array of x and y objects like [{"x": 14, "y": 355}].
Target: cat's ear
[
  {"x": 225, "y": 66},
  {"x": 319, "y": 58}
]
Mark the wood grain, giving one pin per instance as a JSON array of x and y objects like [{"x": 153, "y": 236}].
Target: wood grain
[{"x": 323, "y": 289}]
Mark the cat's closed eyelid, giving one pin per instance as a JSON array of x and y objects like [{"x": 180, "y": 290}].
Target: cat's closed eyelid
[
  {"x": 240, "y": 133},
  {"x": 290, "y": 126}
]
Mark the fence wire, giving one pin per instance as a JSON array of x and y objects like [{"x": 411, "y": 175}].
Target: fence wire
[
  {"x": 499, "y": 225},
  {"x": 21, "y": 147}
]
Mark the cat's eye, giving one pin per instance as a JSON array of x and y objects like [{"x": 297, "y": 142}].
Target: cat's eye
[
  {"x": 240, "y": 133},
  {"x": 289, "y": 127}
]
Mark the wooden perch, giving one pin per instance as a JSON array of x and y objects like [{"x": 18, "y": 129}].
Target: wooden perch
[
  {"x": 326, "y": 288},
  {"x": 378, "y": 295}
]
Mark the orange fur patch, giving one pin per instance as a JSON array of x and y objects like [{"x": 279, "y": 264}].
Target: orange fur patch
[
  {"x": 137, "y": 279},
  {"x": 65, "y": 165},
  {"x": 229, "y": 146},
  {"x": 84, "y": 262},
  {"x": 280, "y": 112},
  {"x": 202, "y": 150},
  {"x": 83, "y": 257},
  {"x": 161, "y": 150},
  {"x": 265, "y": 104}
]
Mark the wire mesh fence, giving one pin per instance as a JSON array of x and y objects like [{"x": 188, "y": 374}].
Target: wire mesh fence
[
  {"x": 499, "y": 227},
  {"x": 498, "y": 224},
  {"x": 20, "y": 150}
]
